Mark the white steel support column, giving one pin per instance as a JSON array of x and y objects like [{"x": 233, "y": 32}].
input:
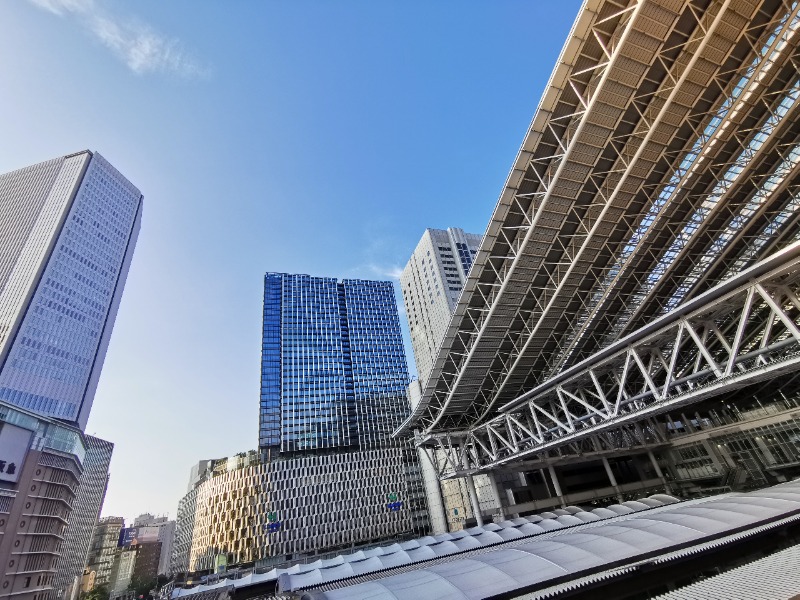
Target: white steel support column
[
  {"x": 473, "y": 498},
  {"x": 659, "y": 472},
  {"x": 556, "y": 485},
  {"x": 473, "y": 494},
  {"x": 611, "y": 478},
  {"x": 433, "y": 493}
]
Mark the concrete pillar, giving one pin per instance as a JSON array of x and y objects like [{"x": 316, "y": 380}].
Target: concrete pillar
[
  {"x": 498, "y": 499},
  {"x": 433, "y": 493},
  {"x": 473, "y": 494},
  {"x": 473, "y": 498},
  {"x": 611, "y": 478},
  {"x": 556, "y": 485},
  {"x": 659, "y": 473}
]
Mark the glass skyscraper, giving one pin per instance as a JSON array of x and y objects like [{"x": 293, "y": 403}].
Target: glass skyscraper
[
  {"x": 68, "y": 227},
  {"x": 333, "y": 372},
  {"x": 328, "y": 474}
]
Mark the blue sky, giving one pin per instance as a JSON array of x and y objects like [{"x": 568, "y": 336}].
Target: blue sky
[{"x": 314, "y": 137}]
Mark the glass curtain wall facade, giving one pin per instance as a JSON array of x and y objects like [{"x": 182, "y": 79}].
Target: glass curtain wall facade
[
  {"x": 328, "y": 475},
  {"x": 68, "y": 227},
  {"x": 333, "y": 370}
]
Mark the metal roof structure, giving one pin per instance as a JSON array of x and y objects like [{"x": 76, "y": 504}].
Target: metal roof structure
[
  {"x": 429, "y": 548},
  {"x": 741, "y": 332},
  {"x": 582, "y": 554},
  {"x": 774, "y": 577},
  {"x": 662, "y": 159}
]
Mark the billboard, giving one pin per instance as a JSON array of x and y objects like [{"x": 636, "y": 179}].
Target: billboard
[
  {"x": 14, "y": 444},
  {"x": 133, "y": 536},
  {"x": 220, "y": 563}
]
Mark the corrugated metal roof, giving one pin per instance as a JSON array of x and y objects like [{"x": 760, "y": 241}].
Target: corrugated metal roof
[
  {"x": 600, "y": 549},
  {"x": 773, "y": 577}
]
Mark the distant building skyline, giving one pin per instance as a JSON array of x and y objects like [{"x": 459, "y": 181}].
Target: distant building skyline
[
  {"x": 68, "y": 227},
  {"x": 103, "y": 549}
]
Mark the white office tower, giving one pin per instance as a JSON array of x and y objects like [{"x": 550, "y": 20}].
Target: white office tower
[
  {"x": 67, "y": 231},
  {"x": 431, "y": 283}
]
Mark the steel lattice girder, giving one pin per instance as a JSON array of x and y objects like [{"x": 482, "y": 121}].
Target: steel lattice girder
[
  {"x": 739, "y": 333},
  {"x": 637, "y": 90}
]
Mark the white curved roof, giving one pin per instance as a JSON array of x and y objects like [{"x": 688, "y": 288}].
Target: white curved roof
[
  {"x": 412, "y": 552},
  {"x": 578, "y": 550}
]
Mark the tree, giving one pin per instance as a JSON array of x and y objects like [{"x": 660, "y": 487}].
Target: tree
[
  {"x": 141, "y": 586},
  {"x": 99, "y": 592}
]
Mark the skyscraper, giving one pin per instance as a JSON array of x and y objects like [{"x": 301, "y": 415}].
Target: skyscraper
[
  {"x": 68, "y": 227},
  {"x": 85, "y": 512},
  {"x": 431, "y": 283},
  {"x": 327, "y": 474},
  {"x": 333, "y": 369}
]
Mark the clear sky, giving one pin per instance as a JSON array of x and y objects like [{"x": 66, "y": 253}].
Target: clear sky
[{"x": 317, "y": 137}]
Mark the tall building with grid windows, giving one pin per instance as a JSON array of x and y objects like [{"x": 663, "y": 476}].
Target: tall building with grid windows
[
  {"x": 68, "y": 227},
  {"x": 333, "y": 365},
  {"x": 431, "y": 283},
  {"x": 327, "y": 475}
]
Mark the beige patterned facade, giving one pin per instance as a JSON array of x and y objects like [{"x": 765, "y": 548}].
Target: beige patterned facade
[{"x": 323, "y": 503}]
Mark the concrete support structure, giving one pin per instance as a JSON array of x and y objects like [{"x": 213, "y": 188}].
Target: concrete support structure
[
  {"x": 556, "y": 485},
  {"x": 611, "y": 478},
  {"x": 473, "y": 499},
  {"x": 658, "y": 471},
  {"x": 496, "y": 493}
]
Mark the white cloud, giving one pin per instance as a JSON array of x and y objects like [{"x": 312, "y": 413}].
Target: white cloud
[
  {"x": 137, "y": 44},
  {"x": 390, "y": 272},
  {"x": 62, "y": 7}
]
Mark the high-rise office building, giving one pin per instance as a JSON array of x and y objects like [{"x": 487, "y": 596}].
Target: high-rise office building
[
  {"x": 431, "y": 283},
  {"x": 68, "y": 227},
  {"x": 333, "y": 371},
  {"x": 39, "y": 474},
  {"x": 85, "y": 512},
  {"x": 327, "y": 474}
]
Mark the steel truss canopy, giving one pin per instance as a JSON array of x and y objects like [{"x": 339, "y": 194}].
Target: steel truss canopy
[
  {"x": 662, "y": 160},
  {"x": 742, "y": 332}
]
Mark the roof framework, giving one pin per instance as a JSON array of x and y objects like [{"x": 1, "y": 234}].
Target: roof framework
[
  {"x": 742, "y": 332},
  {"x": 663, "y": 159}
]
